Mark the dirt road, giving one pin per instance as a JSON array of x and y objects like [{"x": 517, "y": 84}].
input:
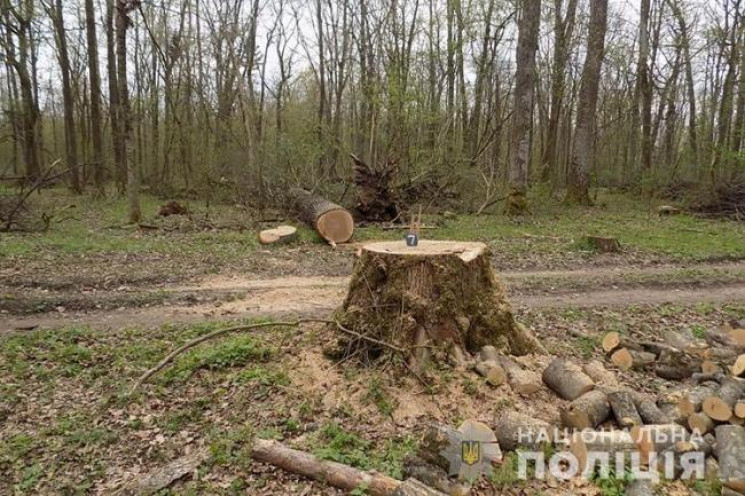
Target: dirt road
[{"x": 236, "y": 297}]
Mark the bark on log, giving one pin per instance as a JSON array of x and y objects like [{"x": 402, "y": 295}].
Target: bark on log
[
  {"x": 445, "y": 291},
  {"x": 567, "y": 379},
  {"x": 434, "y": 477},
  {"x": 627, "y": 359},
  {"x": 333, "y": 222},
  {"x": 656, "y": 438},
  {"x": 278, "y": 235},
  {"x": 720, "y": 405},
  {"x": 522, "y": 381},
  {"x": 624, "y": 409},
  {"x": 598, "y": 373},
  {"x": 610, "y": 442},
  {"x": 672, "y": 411},
  {"x": 587, "y": 411},
  {"x": 730, "y": 450},
  {"x": 649, "y": 411},
  {"x": 676, "y": 365},
  {"x": 335, "y": 474},
  {"x": 516, "y": 430}
]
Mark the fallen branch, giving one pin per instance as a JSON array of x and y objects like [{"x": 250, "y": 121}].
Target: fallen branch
[{"x": 221, "y": 332}]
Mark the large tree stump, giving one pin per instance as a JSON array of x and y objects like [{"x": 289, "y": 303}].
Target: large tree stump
[{"x": 424, "y": 299}]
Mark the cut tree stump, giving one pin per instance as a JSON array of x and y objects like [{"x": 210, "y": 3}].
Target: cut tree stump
[
  {"x": 730, "y": 451},
  {"x": 429, "y": 297},
  {"x": 278, "y": 235},
  {"x": 567, "y": 379},
  {"x": 586, "y": 412},
  {"x": 515, "y": 430},
  {"x": 333, "y": 222},
  {"x": 626, "y": 359}
]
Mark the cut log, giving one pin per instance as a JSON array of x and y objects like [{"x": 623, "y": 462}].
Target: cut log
[
  {"x": 333, "y": 222},
  {"x": 720, "y": 406},
  {"x": 446, "y": 289},
  {"x": 522, "y": 381},
  {"x": 740, "y": 409},
  {"x": 735, "y": 420},
  {"x": 335, "y": 474},
  {"x": 566, "y": 379},
  {"x": 626, "y": 359},
  {"x": 682, "y": 340},
  {"x": 596, "y": 442},
  {"x": 672, "y": 412},
  {"x": 675, "y": 365},
  {"x": 278, "y": 235},
  {"x": 656, "y": 438},
  {"x": 602, "y": 244},
  {"x": 614, "y": 340},
  {"x": 488, "y": 354},
  {"x": 730, "y": 451},
  {"x": 434, "y": 477},
  {"x": 492, "y": 372},
  {"x": 586, "y": 412},
  {"x": 624, "y": 409},
  {"x": 701, "y": 423},
  {"x": 738, "y": 369},
  {"x": 598, "y": 373},
  {"x": 721, "y": 354},
  {"x": 516, "y": 430},
  {"x": 691, "y": 402},
  {"x": 649, "y": 411},
  {"x": 727, "y": 337},
  {"x": 412, "y": 487}
]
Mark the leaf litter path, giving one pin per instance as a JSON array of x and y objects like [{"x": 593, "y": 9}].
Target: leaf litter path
[{"x": 243, "y": 297}]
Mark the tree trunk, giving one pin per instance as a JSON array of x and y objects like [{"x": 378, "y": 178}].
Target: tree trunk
[
  {"x": 579, "y": 167},
  {"x": 71, "y": 145},
  {"x": 114, "y": 104},
  {"x": 419, "y": 300},
  {"x": 99, "y": 176},
  {"x": 522, "y": 118},
  {"x": 133, "y": 176}
]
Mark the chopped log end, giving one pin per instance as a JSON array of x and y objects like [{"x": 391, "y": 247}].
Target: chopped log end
[
  {"x": 335, "y": 226},
  {"x": 598, "y": 373},
  {"x": 611, "y": 341},
  {"x": 709, "y": 367},
  {"x": 738, "y": 369},
  {"x": 714, "y": 407},
  {"x": 523, "y": 382},
  {"x": 278, "y": 235},
  {"x": 740, "y": 409},
  {"x": 626, "y": 359},
  {"x": 492, "y": 372},
  {"x": 516, "y": 430}
]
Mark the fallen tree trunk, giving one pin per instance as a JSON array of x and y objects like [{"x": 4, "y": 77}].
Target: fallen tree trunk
[
  {"x": 333, "y": 222},
  {"x": 335, "y": 474},
  {"x": 567, "y": 379},
  {"x": 730, "y": 451}
]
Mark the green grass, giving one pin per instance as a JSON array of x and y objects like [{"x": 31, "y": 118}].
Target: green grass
[{"x": 552, "y": 228}]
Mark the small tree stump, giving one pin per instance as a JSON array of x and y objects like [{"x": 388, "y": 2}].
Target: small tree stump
[
  {"x": 428, "y": 298},
  {"x": 277, "y": 235}
]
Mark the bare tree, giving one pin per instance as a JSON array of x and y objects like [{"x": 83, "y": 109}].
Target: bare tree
[{"x": 522, "y": 118}]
